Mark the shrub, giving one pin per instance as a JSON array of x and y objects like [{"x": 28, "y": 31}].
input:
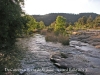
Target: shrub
[
  {"x": 11, "y": 59},
  {"x": 57, "y": 38},
  {"x": 63, "y": 39},
  {"x": 51, "y": 37},
  {"x": 43, "y": 32}
]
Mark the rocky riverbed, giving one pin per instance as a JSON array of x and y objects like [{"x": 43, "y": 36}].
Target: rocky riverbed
[
  {"x": 47, "y": 58},
  {"x": 88, "y": 36}
]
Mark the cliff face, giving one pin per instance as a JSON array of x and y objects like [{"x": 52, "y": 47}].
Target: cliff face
[{"x": 49, "y": 18}]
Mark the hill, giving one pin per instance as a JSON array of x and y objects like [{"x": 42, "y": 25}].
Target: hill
[{"x": 49, "y": 18}]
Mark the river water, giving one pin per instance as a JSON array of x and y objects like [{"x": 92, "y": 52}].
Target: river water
[{"x": 37, "y": 59}]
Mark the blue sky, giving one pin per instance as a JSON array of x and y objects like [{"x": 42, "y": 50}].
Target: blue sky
[{"x": 41, "y": 7}]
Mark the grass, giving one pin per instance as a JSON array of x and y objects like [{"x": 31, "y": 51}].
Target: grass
[
  {"x": 10, "y": 58},
  {"x": 57, "y": 38},
  {"x": 43, "y": 32}
]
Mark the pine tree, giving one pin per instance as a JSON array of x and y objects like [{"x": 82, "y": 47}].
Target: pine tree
[{"x": 60, "y": 24}]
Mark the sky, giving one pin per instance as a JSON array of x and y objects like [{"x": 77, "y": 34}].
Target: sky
[{"x": 41, "y": 7}]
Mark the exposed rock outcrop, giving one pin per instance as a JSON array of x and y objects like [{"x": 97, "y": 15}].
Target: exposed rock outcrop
[{"x": 90, "y": 36}]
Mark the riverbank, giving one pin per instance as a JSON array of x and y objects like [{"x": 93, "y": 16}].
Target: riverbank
[
  {"x": 37, "y": 58},
  {"x": 88, "y": 36},
  {"x": 82, "y": 58},
  {"x": 47, "y": 58}
]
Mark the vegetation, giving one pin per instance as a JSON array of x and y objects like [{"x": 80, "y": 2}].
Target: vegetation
[
  {"x": 50, "y": 18},
  {"x": 60, "y": 25},
  {"x": 14, "y": 23},
  {"x": 30, "y": 25},
  {"x": 11, "y": 60},
  {"x": 87, "y": 23},
  {"x": 57, "y": 31},
  {"x": 11, "y": 23},
  {"x": 59, "y": 38},
  {"x": 60, "y": 30}
]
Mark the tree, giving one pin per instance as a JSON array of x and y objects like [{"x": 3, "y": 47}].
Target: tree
[
  {"x": 97, "y": 21},
  {"x": 10, "y": 21},
  {"x": 51, "y": 27},
  {"x": 60, "y": 24},
  {"x": 41, "y": 24},
  {"x": 82, "y": 20},
  {"x": 90, "y": 21},
  {"x": 70, "y": 27},
  {"x": 30, "y": 24},
  {"x": 78, "y": 25}
]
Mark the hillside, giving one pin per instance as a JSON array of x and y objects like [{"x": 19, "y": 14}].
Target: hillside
[{"x": 49, "y": 18}]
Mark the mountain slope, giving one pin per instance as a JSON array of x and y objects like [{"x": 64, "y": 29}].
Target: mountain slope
[{"x": 49, "y": 18}]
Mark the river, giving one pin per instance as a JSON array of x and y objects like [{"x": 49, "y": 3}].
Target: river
[{"x": 37, "y": 59}]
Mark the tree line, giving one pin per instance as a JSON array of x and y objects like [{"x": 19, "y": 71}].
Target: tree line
[
  {"x": 60, "y": 25},
  {"x": 49, "y": 18},
  {"x": 14, "y": 22}
]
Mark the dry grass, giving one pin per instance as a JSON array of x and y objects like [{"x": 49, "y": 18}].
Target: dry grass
[
  {"x": 11, "y": 59},
  {"x": 51, "y": 37},
  {"x": 63, "y": 39},
  {"x": 43, "y": 32},
  {"x": 60, "y": 38}
]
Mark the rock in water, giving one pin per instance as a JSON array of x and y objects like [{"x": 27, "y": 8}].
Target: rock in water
[{"x": 62, "y": 65}]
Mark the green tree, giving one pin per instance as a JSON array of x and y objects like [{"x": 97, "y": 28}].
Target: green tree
[
  {"x": 60, "y": 24},
  {"x": 82, "y": 20},
  {"x": 97, "y": 21},
  {"x": 90, "y": 21},
  {"x": 41, "y": 24},
  {"x": 51, "y": 27},
  {"x": 30, "y": 24},
  {"x": 78, "y": 26},
  {"x": 10, "y": 21},
  {"x": 70, "y": 27}
]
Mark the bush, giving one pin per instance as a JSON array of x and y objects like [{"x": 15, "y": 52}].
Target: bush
[
  {"x": 57, "y": 38},
  {"x": 43, "y": 32},
  {"x": 63, "y": 39},
  {"x": 10, "y": 59},
  {"x": 51, "y": 37}
]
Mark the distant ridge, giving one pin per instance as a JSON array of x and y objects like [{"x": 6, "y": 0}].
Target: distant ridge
[{"x": 49, "y": 18}]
